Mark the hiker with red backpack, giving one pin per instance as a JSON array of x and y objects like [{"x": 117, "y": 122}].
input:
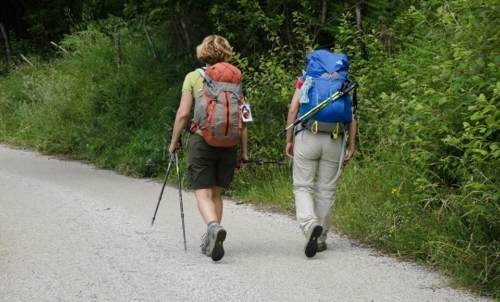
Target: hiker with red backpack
[
  {"x": 317, "y": 144},
  {"x": 217, "y": 128}
]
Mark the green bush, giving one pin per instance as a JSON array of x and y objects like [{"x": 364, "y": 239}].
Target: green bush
[
  {"x": 424, "y": 182},
  {"x": 429, "y": 125}
]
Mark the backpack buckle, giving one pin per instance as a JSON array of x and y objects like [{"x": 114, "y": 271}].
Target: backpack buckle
[{"x": 191, "y": 126}]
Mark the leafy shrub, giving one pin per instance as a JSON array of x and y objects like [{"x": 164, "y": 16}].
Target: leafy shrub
[{"x": 432, "y": 114}]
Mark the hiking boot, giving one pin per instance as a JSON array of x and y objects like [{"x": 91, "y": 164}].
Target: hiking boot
[
  {"x": 204, "y": 243},
  {"x": 313, "y": 234},
  {"x": 216, "y": 236},
  {"x": 322, "y": 246}
]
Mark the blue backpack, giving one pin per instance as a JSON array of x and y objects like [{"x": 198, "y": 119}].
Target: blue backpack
[{"x": 326, "y": 73}]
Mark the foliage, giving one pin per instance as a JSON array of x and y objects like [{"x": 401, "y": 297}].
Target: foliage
[
  {"x": 431, "y": 131},
  {"x": 89, "y": 106},
  {"x": 269, "y": 86},
  {"x": 37, "y": 23},
  {"x": 424, "y": 184}
]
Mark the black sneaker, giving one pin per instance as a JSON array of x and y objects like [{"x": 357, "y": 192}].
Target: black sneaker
[{"x": 313, "y": 233}]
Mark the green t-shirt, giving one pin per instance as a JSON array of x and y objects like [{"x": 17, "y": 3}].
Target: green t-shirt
[{"x": 193, "y": 83}]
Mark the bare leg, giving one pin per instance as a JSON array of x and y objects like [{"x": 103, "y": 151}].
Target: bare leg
[
  {"x": 217, "y": 199},
  {"x": 209, "y": 203},
  {"x": 210, "y": 206}
]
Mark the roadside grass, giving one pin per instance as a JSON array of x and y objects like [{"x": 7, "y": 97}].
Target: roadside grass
[
  {"x": 379, "y": 203},
  {"x": 88, "y": 107},
  {"x": 267, "y": 184},
  {"x": 394, "y": 197}
]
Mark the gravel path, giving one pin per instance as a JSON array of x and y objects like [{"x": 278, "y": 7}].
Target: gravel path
[{"x": 69, "y": 232}]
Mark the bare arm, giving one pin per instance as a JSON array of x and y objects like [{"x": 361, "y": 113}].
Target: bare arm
[
  {"x": 293, "y": 111},
  {"x": 180, "y": 120},
  {"x": 351, "y": 130},
  {"x": 243, "y": 148}
]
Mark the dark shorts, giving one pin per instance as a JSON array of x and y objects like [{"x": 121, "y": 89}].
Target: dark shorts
[{"x": 210, "y": 166}]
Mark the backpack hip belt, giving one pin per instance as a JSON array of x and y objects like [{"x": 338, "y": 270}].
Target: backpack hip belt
[{"x": 320, "y": 127}]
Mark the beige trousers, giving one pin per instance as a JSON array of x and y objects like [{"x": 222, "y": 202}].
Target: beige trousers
[{"x": 316, "y": 163}]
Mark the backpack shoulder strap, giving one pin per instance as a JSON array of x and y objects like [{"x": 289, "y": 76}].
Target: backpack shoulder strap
[
  {"x": 201, "y": 71},
  {"x": 355, "y": 100},
  {"x": 354, "y": 97}
]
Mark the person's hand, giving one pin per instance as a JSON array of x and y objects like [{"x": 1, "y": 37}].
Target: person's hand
[
  {"x": 173, "y": 147},
  {"x": 289, "y": 150},
  {"x": 242, "y": 161},
  {"x": 347, "y": 158}
]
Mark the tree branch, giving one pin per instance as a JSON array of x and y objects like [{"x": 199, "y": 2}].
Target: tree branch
[
  {"x": 323, "y": 20},
  {"x": 7, "y": 45},
  {"x": 151, "y": 44}
]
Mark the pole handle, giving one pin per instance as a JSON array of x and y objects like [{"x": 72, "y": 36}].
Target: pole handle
[{"x": 349, "y": 87}]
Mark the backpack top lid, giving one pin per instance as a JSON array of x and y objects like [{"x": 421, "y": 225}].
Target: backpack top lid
[
  {"x": 321, "y": 61},
  {"x": 222, "y": 77},
  {"x": 224, "y": 72}
]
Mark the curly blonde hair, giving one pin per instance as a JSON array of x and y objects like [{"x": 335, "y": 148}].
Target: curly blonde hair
[{"x": 214, "y": 49}]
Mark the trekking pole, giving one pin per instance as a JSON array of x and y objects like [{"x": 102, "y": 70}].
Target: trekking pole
[
  {"x": 342, "y": 156},
  {"x": 322, "y": 105},
  {"x": 163, "y": 187},
  {"x": 180, "y": 198},
  {"x": 260, "y": 162}
]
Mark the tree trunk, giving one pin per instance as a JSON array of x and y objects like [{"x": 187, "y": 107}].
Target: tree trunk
[
  {"x": 151, "y": 44},
  {"x": 359, "y": 23},
  {"x": 179, "y": 32},
  {"x": 7, "y": 46},
  {"x": 117, "y": 46},
  {"x": 323, "y": 20},
  {"x": 188, "y": 41}
]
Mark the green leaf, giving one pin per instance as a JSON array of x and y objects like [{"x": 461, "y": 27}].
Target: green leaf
[
  {"x": 480, "y": 62},
  {"x": 480, "y": 151},
  {"x": 476, "y": 116}
]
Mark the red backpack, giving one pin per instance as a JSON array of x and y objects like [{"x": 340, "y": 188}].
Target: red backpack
[{"x": 218, "y": 106}]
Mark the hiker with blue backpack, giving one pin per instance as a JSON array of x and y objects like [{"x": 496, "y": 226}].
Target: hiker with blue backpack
[
  {"x": 317, "y": 142},
  {"x": 215, "y": 92}
]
